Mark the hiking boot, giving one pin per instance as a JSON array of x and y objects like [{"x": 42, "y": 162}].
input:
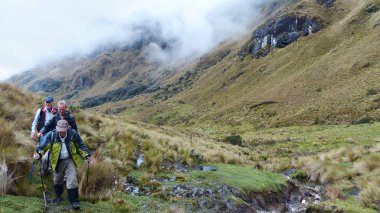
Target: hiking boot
[
  {"x": 45, "y": 173},
  {"x": 57, "y": 200},
  {"x": 75, "y": 205},
  {"x": 73, "y": 198},
  {"x": 58, "y": 190}
]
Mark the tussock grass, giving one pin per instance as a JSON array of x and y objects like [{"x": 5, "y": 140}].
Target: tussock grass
[
  {"x": 5, "y": 178},
  {"x": 345, "y": 169},
  {"x": 370, "y": 196},
  {"x": 368, "y": 164},
  {"x": 100, "y": 179}
]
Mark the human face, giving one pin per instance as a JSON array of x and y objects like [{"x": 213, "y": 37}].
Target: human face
[
  {"x": 62, "y": 134},
  {"x": 62, "y": 110},
  {"x": 49, "y": 105}
]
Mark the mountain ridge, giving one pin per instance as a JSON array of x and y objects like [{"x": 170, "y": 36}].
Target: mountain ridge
[{"x": 306, "y": 81}]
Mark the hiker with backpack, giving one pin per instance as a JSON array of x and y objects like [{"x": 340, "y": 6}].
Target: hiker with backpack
[
  {"x": 63, "y": 114},
  {"x": 43, "y": 115},
  {"x": 67, "y": 151}
]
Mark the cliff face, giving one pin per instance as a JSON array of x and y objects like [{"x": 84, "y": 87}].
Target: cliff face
[{"x": 281, "y": 32}]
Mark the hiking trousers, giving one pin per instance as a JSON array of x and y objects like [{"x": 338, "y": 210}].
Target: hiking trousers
[{"x": 66, "y": 168}]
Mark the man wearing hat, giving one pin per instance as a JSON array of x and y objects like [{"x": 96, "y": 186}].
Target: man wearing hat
[
  {"x": 67, "y": 151},
  {"x": 43, "y": 115},
  {"x": 63, "y": 114}
]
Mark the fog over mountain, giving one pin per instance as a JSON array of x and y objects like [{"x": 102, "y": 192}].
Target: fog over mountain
[{"x": 39, "y": 31}]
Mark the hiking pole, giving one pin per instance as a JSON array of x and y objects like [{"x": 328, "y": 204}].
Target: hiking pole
[
  {"x": 88, "y": 171},
  {"x": 42, "y": 182},
  {"x": 31, "y": 170}
]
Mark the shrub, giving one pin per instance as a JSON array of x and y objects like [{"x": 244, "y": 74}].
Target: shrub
[
  {"x": 319, "y": 120},
  {"x": 74, "y": 108},
  {"x": 234, "y": 139},
  {"x": 363, "y": 120},
  {"x": 372, "y": 92}
]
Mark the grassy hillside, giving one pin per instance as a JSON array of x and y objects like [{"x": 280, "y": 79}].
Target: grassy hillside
[
  {"x": 328, "y": 77},
  {"x": 116, "y": 145}
]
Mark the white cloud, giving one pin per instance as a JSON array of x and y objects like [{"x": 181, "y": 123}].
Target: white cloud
[{"x": 36, "y": 31}]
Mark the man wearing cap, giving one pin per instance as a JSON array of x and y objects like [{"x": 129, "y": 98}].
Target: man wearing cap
[
  {"x": 43, "y": 115},
  {"x": 63, "y": 114},
  {"x": 67, "y": 151}
]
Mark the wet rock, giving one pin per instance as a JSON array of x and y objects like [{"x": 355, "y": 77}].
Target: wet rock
[
  {"x": 166, "y": 164},
  {"x": 289, "y": 172},
  {"x": 205, "y": 168},
  {"x": 373, "y": 8},
  {"x": 327, "y": 3},
  {"x": 281, "y": 32},
  {"x": 180, "y": 167},
  {"x": 130, "y": 186},
  {"x": 354, "y": 192}
]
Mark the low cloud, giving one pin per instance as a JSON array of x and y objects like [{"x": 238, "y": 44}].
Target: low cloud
[{"x": 38, "y": 31}]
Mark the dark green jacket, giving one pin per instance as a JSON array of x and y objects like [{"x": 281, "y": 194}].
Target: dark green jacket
[
  {"x": 75, "y": 146},
  {"x": 52, "y": 123}
]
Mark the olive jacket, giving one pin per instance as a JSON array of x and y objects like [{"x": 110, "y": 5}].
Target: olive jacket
[{"x": 75, "y": 146}]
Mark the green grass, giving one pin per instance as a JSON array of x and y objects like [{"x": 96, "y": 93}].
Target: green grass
[
  {"x": 241, "y": 178},
  {"x": 308, "y": 140},
  {"x": 349, "y": 206},
  {"x": 10, "y": 203}
]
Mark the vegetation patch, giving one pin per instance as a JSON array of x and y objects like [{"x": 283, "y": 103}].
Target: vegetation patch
[{"x": 242, "y": 178}]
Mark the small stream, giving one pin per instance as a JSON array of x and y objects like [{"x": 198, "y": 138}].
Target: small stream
[{"x": 296, "y": 197}]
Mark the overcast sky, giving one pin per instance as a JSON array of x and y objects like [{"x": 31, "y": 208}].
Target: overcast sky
[{"x": 38, "y": 31}]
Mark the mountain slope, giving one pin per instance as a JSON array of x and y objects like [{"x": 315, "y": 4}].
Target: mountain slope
[
  {"x": 309, "y": 62},
  {"x": 330, "y": 76}
]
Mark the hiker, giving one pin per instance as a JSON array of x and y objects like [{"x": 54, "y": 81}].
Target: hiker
[
  {"x": 63, "y": 114},
  {"x": 67, "y": 151},
  {"x": 43, "y": 115}
]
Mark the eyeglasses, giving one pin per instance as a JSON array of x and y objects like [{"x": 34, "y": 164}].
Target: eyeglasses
[{"x": 48, "y": 102}]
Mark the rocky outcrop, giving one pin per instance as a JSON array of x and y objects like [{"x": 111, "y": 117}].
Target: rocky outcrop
[
  {"x": 114, "y": 95},
  {"x": 45, "y": 85},
  {"x": 327, "y": 3},
  {"x": 81, "y": 82},
  {"x": 281, "y": 32},
  {"x": 373, "y": 8}
]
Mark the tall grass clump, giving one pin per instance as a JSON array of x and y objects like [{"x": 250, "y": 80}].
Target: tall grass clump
[
  {"x": 370, "y": 196},
  {"x": 101, "y": 177},
  {"x": 6, "y": 179}
]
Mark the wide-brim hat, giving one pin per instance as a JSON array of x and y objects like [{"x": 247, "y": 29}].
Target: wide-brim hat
[{"x": 62, "y": 126}]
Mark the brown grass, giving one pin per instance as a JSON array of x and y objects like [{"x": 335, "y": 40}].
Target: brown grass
[
  {"x": 6, "y": 179},
  {"x": 100, "y": 179},
  {"x": 370, "y": 196}
]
